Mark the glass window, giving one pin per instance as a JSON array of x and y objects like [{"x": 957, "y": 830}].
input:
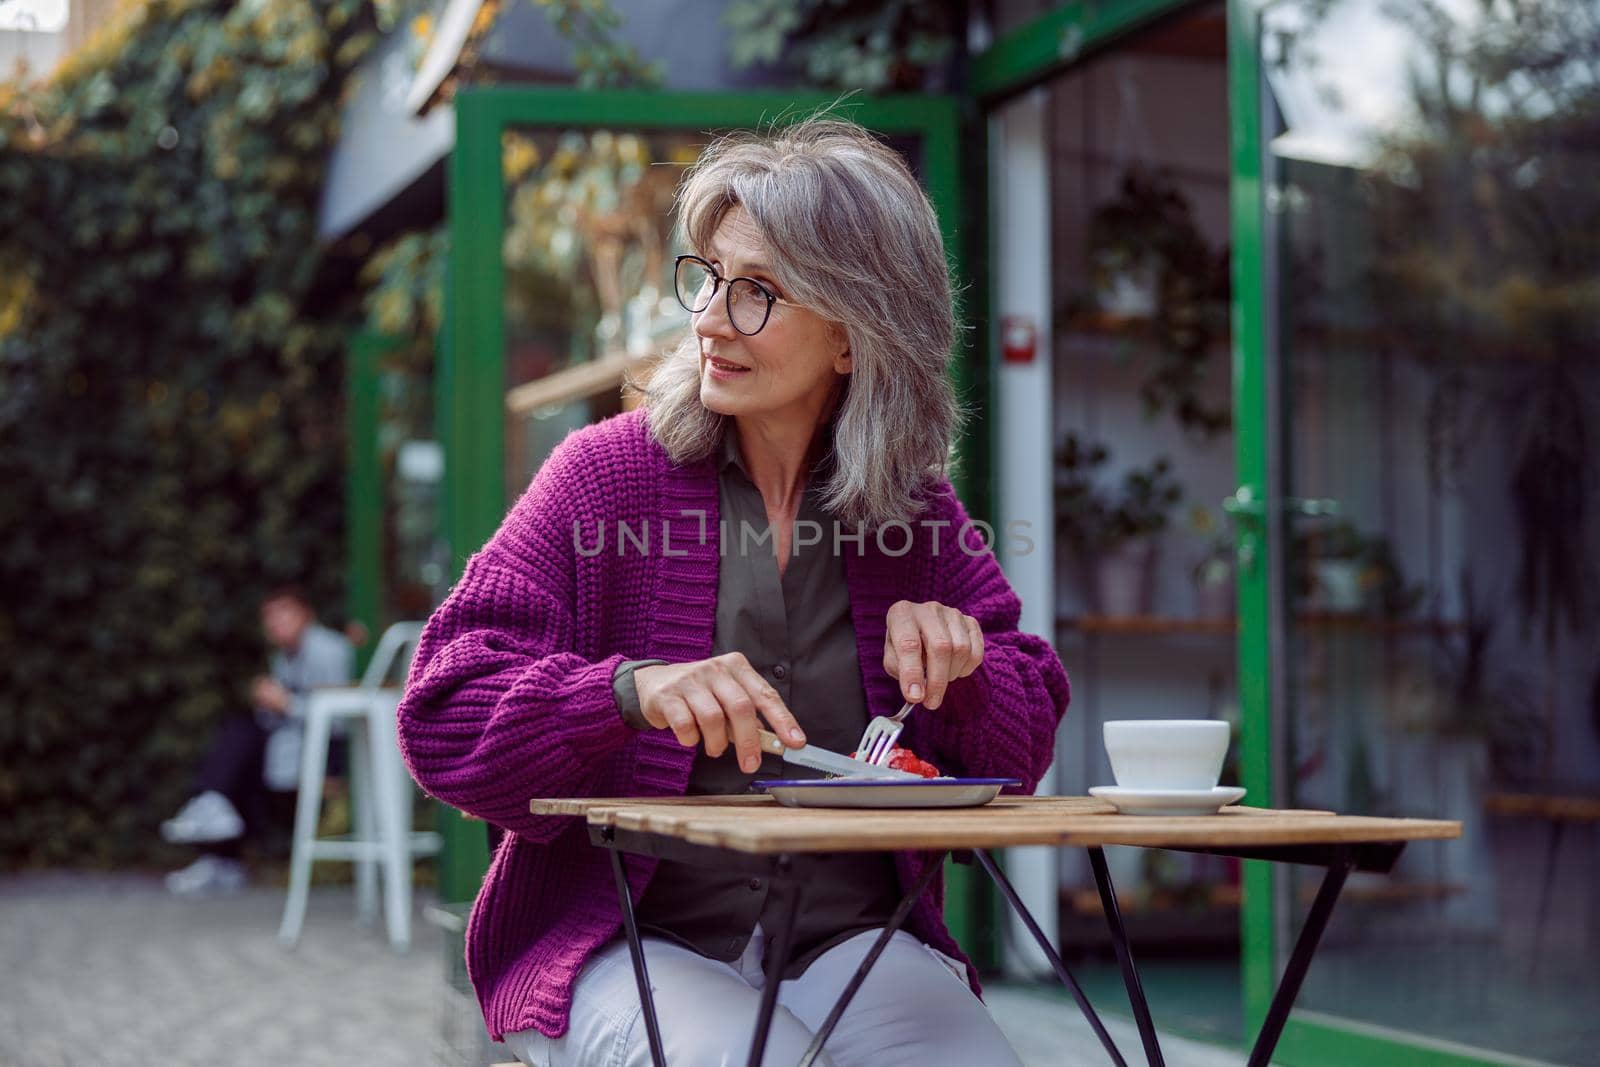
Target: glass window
[
  {"x": 588, "y": 254},
  {"x": 1435, "y": 283},
  {"x": 1143, "y": 452}
]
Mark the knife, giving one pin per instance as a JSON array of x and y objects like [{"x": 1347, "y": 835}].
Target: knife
[{"x": 820, "y": 759}]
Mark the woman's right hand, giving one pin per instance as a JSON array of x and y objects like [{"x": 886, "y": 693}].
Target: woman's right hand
[{"x": 715, "y": 700}]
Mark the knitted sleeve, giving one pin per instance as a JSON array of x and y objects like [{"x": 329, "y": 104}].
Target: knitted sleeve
[
  {"x": 501, "y": 706},
  {"x": 999, "y": 721}
]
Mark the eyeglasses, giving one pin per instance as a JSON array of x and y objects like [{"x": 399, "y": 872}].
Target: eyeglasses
[{"x": 749, "y": 302}]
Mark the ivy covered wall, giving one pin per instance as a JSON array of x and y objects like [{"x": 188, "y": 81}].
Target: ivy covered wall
[
  {"x": 170, "y": 411},
  {"x": 171, "y": 365}
]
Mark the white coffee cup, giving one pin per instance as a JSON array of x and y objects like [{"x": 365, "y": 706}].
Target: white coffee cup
[{"x": 1166, "y": 753}]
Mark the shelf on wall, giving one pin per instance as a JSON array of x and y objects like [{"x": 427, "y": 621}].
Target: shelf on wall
[
  {"x": 1121, "y": 327},
  {"x": 1350, "y": 620},
  {"x": 1144, "y": 624},
  {"x": 1086, "y": 901},
  {"x": 578, "y": 382},
  {"x": 1176, "y": 624},
  {"x": 1557, "y": 807},
  {"x": 1220, "y": 895},
  {"x": 1197, "y": 919}
]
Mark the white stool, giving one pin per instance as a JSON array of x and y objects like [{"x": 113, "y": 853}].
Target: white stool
[{"x": 380, "y": 796}]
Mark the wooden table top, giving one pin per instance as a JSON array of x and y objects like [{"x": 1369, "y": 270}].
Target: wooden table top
[{"x": 758, "y": 824}]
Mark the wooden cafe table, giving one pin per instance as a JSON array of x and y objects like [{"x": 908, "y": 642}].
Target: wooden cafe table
[{"x": 755, "y": 834}]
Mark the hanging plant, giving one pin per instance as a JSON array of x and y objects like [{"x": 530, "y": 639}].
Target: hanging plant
[
  {"x": 1486, "y": 266},
  {"x": 1552, "y": 488},
  {"x": 1150, "y": 262}
]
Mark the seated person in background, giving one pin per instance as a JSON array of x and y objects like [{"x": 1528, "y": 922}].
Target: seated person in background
[{"x": 258, "y": 750}]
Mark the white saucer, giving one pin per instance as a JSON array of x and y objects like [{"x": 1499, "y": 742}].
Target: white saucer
[{"x": 1168, "y": 801}]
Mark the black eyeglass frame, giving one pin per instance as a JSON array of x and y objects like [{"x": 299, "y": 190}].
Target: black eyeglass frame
[{"x": 717, "y": 282}]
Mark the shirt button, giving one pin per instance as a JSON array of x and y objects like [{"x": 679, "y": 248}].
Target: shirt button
[
  {"x": 755, "y": 884},
  {"x": 779, "y": 671}
]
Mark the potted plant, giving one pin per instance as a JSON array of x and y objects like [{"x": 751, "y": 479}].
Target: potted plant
[
  {"x": 1153, "y": 271},
  {"x": 1213, "y": 570},
  {"x": 1112, "y": 532},
  {"x": 1333, "y": 557},
  {"x": 1341, "y": 570},
  {"x": 1130, "y": 237}
]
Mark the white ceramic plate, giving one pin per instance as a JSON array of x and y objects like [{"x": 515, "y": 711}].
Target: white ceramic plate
[
  {"x": 1168, "y": 801},
  {"x": 891, "y": 793}
]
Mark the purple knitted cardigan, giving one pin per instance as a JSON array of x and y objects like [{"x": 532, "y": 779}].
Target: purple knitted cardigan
[{"x": 510, "y": 691}]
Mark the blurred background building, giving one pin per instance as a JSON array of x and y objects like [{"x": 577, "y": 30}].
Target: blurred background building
[{"x": 37, "y": 34}]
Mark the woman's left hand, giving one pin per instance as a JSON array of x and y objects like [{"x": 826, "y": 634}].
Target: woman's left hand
[{"x": 927, "y": 646}]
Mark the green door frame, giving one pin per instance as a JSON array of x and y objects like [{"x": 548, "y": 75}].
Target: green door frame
[
  {"x": 364, "y": 503},
  {"x": 1027, "y": 56},
  {"x": 1055, "y": 41},
  {"x": 471, "y": 374},
  {"x": 1258, "y": 941}
]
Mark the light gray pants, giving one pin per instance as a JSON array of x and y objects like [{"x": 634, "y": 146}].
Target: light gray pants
[{"x": 914, "y": 1008}]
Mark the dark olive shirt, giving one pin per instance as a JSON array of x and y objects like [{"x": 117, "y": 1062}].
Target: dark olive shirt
[{"x": 796, "y": 631}]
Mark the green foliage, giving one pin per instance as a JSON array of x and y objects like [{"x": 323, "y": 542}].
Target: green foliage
[
  {"x": 1149, "y": 226},
  {"x": 1488, "y": 265},
  {"x": 876, "y": 45},
  {"x": 404, "y": 283},
  {"x": 1093, "y": 519},
  {"x": 602, "y": 61},
  {"x": 170, "y": 411}
]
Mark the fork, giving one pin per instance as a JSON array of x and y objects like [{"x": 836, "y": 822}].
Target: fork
[{"x": 881, "y": 734}]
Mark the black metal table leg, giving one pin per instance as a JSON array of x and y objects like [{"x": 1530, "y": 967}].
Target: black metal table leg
[
  {"x": 1305, "y": 947},
  {"x": 1130, "y": 975},
  {"x": 777, "y": 959},
  {"x": 1009, "y": 892},
  {"x": 1339, "y": 859},
  {"x": 895, "y": 921},
  {"x": 652, "y": 1026}
]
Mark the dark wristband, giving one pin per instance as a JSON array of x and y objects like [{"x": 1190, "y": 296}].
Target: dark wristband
[{"x": 627, "y": 693}]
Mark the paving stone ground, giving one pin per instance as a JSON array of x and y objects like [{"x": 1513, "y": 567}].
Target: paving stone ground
[{"x": 109, "y": 970}]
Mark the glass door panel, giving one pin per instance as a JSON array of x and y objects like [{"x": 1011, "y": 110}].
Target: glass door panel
[
  {"x": 414, "y": 563},
  {"x": 1143, "y": 456},
  {"x": 1433, "y": 300},
  {"x": 587, "y": 252}
]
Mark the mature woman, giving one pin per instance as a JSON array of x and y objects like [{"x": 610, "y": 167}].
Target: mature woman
[{"x": 770, "y": 539}]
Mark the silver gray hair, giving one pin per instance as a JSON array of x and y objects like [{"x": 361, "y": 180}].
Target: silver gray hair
[{"x": 850, "y": 235}]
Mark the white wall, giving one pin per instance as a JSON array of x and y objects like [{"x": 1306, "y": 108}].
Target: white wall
[{"x": 1021, "y": 209}]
